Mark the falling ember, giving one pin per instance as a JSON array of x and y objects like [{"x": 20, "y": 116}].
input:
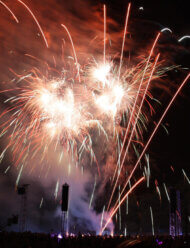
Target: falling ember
[
  {"x": 185, "y": 175},
  {"x": 7, "y": 169},
  {"x": 19, "y": 175},
  {"x": 152, "y": 220},
  {"x": 92, "y": 196},
  {"x": 102, "y": 218},
  {"x": 166, "y": 192},
  {"x": 157, "y": 189},
  {"x": 56, "y": 189},
  {"x": 41, "y": 202}
]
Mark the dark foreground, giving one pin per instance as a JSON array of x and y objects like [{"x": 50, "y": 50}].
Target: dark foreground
[{"x": 37, "y": 240}]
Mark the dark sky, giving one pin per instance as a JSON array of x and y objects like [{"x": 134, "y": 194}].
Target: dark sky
[
  {"x": 173, "y": 14},
  {"x": 166, "y": 150}
]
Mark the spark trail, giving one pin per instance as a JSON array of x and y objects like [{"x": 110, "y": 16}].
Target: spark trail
[{"x": 153, "y": 133}]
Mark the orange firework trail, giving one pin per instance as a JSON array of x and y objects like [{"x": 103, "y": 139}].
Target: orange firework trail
[
  {"x": 125, "y": 196},
  {"x": 139, "y": 110},
  {"x": 152, "y": 134},
  {"x": 132, "y": 113},
  {"x": 124, "y": 35},
  {"x": 104, "y": 35},
  {"x": 29, "y": 10},
  {"x": 75, "y": 55},
  {"x": 10, "y": 11}
]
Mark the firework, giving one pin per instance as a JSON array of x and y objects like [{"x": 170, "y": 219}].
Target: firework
[{"x": 62, "y": 110}]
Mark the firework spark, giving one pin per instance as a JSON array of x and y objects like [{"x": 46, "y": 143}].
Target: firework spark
[{"x": 10, "y": 11}]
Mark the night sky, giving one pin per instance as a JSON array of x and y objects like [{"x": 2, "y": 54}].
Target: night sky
[{"x": 169, "y": 150}]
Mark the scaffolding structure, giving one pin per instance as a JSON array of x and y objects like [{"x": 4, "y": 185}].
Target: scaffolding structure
[
  {"x": 22, "y": 191},
  {"x": 175, "y": 228},
  {"x": 64, "y": 222}
]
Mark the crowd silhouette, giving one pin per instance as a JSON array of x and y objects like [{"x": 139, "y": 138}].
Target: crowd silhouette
[{"x": 40, "y": 240}]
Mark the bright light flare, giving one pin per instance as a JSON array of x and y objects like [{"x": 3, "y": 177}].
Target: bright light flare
[
  {"x": 110, "y": 101},
  {"x": 45, "y": 98},
  {"x": 61, "y": 110},
  {"x": 101, "y": 73}
]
